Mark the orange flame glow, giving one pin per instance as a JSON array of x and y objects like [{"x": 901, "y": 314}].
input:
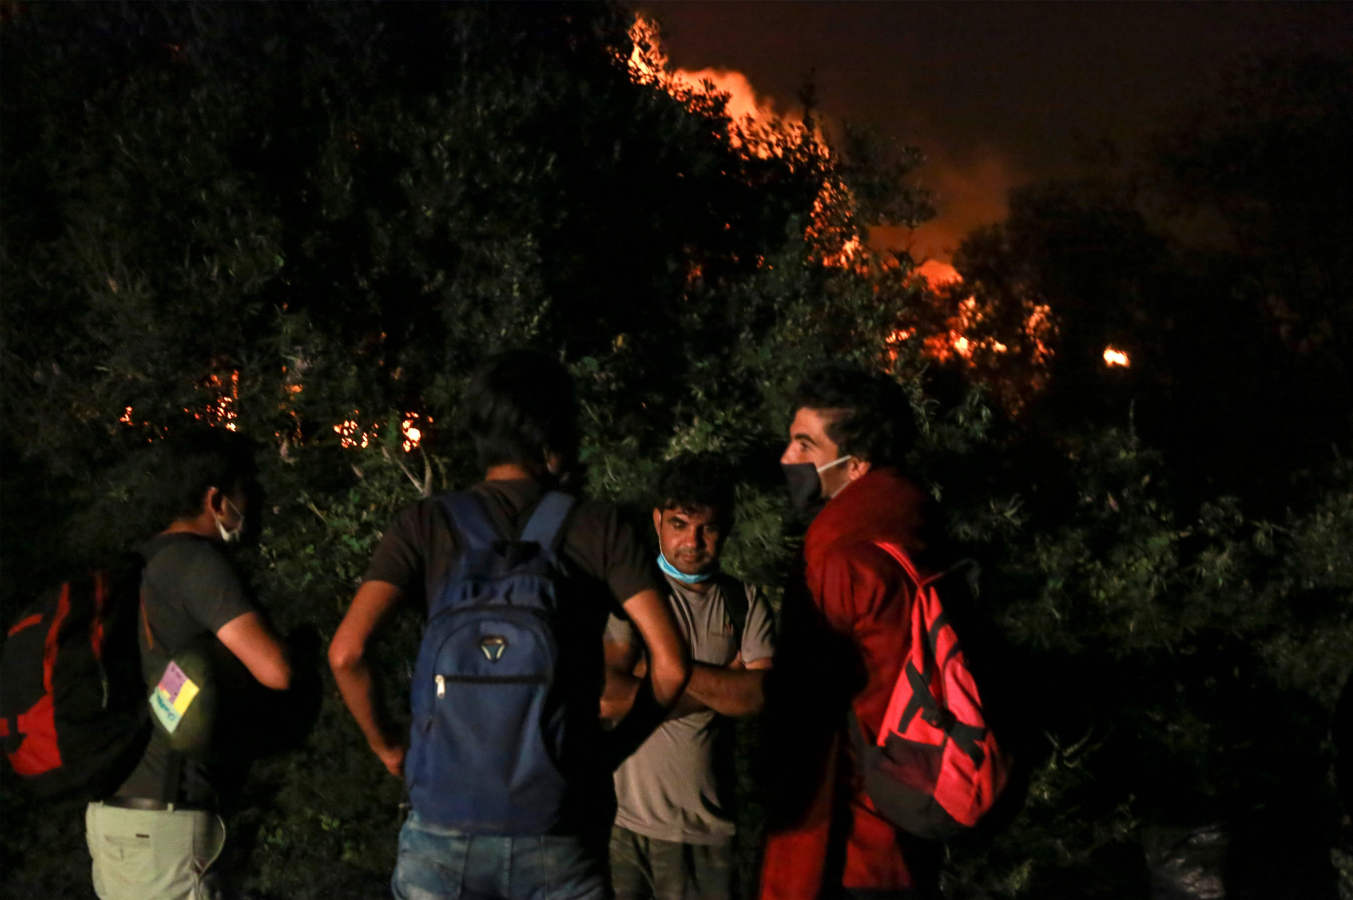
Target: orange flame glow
[
  {"x": 413, "y": 435},
  {"x": 351, "y": 435},
  {"x": 752, "y": 130},
  {"x": 937, "y": 273},
  {"x": 649, "y": 64},
  {"x": 1115, "y": 357}
]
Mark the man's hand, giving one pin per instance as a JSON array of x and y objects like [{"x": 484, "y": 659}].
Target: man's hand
[
  {"x": 347, "y": 659},
  {"x": 669, "y": 657},
  {"x": 392, "y": 757},
  {"x": 733, "y": 690}
]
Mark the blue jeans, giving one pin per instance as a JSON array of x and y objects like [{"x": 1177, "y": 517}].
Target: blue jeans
[{"x": 443, "y": 864}]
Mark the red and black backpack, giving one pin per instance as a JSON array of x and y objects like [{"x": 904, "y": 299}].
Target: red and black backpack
[
  {"x": 935, "y": 767},
  {"x": 73, "y": 713}
]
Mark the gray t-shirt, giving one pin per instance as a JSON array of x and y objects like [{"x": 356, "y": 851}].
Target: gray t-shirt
[{"x": 678, "y": 785}]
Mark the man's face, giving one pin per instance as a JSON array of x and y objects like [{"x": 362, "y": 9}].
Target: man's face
[
  {"x": 690, "y": 538},
  {"x": 808, "y": 443}
]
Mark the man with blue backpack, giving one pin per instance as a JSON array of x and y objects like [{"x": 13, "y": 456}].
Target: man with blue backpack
[{"x": 509, "y": 772}]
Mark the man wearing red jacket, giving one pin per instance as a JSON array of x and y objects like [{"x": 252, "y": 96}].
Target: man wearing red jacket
[{"x": 844, "y": 642}]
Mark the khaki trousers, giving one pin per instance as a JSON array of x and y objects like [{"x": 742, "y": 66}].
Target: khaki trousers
[{"x": 142, "y": 854}]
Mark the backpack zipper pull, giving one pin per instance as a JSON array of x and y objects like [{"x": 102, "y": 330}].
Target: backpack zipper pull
[{"x": 441, "y": 686}]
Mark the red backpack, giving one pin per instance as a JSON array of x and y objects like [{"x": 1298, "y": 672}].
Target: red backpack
[
  {"x": 935, "y": 767},
  {"x": 73, "y": 714}
]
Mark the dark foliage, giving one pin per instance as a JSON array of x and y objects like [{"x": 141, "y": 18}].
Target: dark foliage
[{"x": 311, "y": 221}]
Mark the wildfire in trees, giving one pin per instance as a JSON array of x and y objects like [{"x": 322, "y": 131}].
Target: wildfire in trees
[
  {"x": 649, "y": 64},
  {"x": 937, "y": 273},
  {"x": 830, "y": 232},
  {"x": 1115, "y": 357},
  {"x": 352, "y": 436},
  {"x": 350, "y": 433},
  {"x": 755, "y": 129},
  {"x": 413, "y": 435},
  {"x": 220, "y": 410}
]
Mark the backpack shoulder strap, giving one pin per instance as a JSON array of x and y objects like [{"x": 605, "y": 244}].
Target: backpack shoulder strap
[
  {"x": 466, "y": 514},
  {"x": 737, "y": 598},
  {"x": 897, "y": 553},
  {"x": 546, "y": 525}
]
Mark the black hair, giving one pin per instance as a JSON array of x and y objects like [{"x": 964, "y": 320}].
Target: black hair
[
  {"x": 867, "y": 415},
  {"x": 192, "y": 459},
  {"x": 520, "y": 406},
  {"x": 694, "y": 480}
]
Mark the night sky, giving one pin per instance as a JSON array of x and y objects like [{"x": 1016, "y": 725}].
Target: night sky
[{"x": 993, "y": 94}]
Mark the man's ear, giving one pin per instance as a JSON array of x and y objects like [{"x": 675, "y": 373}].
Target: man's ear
[
  {"x": 857, "y": 468},
  {"x": 213, "y": 501},
  {"x": 657, "y": 521}
]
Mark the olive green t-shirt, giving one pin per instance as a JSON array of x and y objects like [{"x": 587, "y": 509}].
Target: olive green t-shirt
[{"x": 678, "y": 785}]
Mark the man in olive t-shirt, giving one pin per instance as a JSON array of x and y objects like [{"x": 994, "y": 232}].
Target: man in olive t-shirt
[{"x": 674, "y": 824}]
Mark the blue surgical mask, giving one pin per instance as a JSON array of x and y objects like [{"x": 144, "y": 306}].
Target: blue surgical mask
[{"x": 674, "y": 572}]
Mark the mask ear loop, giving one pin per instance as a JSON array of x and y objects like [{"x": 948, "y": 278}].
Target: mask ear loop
[
  {"x": 228, "y": 535},
  {"x": 834, "y": 463}
]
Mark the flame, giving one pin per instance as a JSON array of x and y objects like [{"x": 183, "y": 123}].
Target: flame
[
  {"x": 937, "y": 273},
  {"x": 413, "y": 435},
  {"x": 221, "y": 410},
  {"x": 830, "y": 229},
  {"x": 351, "y": 435},
  {"x": 1115, "y": 357},
  {"x": 649, "y": 64},
  {"x": 753, "y": 120}
]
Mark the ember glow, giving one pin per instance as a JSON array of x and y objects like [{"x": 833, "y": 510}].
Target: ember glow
[
  {"x": 1115, "y": 357},
  {"x": 412, "y": 433},
  {"x": 221, "y": 409},
  {"x": 956, "y": 342},
  {"x": 351, "y": 435}
]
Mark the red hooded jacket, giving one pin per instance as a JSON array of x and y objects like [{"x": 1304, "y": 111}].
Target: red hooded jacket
[{"x": 854, "y": 637}]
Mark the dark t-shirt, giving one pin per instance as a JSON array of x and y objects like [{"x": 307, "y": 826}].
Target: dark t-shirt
[
  {"x": 600, "y": 550},
  {"x": 190, "y": 589},
  {"x": 605, "y": 564}
]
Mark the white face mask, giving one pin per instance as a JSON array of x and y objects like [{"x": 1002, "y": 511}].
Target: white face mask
[
  {"x": 831, "y": 465},
  {"x": 230, "y": 535}
]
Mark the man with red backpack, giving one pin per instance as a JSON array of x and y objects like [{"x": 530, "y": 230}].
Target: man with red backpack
[
  {"x": 846, "y": 641},
  {"x": 204, "y": 644}
]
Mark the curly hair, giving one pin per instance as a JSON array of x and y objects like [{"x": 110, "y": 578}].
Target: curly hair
[
  {"x": 867, "y": 415},
  {"x": 695, "y": 480}
]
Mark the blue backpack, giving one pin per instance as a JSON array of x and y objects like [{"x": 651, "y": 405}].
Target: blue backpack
[{"x": 487, "y": 740}]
